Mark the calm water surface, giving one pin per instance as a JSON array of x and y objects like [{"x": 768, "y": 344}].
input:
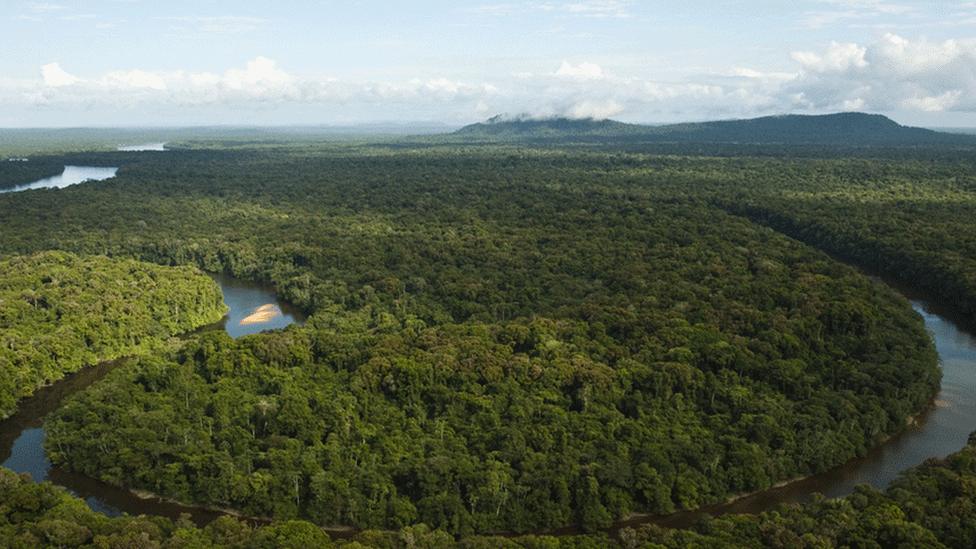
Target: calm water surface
[
  {"x": 22, "y": 435},
  {"x": 254, "y": 308},
  {"x": 941, "y": 431},
  {"x": 143, "y": 147},
  {"x": 72, "y": 175}
]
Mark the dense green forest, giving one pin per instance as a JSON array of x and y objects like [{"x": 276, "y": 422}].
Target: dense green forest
[
  {"x": 932, "y": 506},
  {"x": 500, "y": 340},
  {"x": 912, "y": 221},
  {"x": 505, "y": 338},
  {"x": 59, "y": 313}
]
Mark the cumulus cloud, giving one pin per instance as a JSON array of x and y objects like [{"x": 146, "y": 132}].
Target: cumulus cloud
[
  {"x": 260, "y": 80},
  {"x": 837, "y": 57},
  {"x": 54, "y": 76},
  {"x": 939, "y": 103},
  {"x": 893, "y": 74},
  {"x": 599, "y": 110},
  {"x": 261, "y": 76}
]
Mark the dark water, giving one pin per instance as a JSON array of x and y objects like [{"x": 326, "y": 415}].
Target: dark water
[
  {"x": 22, "y": 435},
  {"x": 942, "y": 430},
  {"x": 72, "y": 175}
]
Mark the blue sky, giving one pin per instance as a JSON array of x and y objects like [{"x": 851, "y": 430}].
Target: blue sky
[{"x": 143, "y": 62}]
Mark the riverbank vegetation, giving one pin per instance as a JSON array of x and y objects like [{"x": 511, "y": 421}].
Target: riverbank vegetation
[
  {"x": 505, "y": 339},
  {"x": 60, "y": 312},
  {"x": 499, "y": 340},
  {"x": 928, "y": 506}
]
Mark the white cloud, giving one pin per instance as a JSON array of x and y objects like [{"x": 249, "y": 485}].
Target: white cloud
[
  {"x": 54, "y": 76},
  {"x": 939, "y": 103},
  {"x": 892, "y": 74},
  {"x": 135, "y": 79},
  {"x": 260, "y": 76},
  {"x": 598, "y": 110},
  {"x": 260, "y": 80},
  {"x": 583, "y": 70},
  {"x": 753, "y": 74},
  {"x": 837, "y": 57}
]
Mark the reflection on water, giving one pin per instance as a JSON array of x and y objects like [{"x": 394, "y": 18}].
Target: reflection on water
[
  {"x": 72, "y": 175},
  {"x": 22, "y": 435},
  {"x": 143, "y": 147},
  {"x": 942, "y": 430},
  {"x": 254, "y": 308}
]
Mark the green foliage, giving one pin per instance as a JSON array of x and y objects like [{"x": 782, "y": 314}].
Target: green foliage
[
  {"x": 498, "y": 341},
  {"x": 929, "y": 506},
  {"x": 16, "y": 172},
  {"x": 505, "y": 339},
  {"x": 60, "y": 312},
  {"x": 911, "y": 222}
]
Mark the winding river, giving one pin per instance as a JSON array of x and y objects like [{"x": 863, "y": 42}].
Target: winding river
[
  {"x": 940, "y": 431},
  {"x": 22, "y": 435}
]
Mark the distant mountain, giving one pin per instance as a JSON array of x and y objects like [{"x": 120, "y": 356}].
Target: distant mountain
[
  {"x": 857, "y": 129},
  {"x": 540, "y": 128}
]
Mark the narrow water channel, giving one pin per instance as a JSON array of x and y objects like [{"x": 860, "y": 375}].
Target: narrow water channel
[
  {"x": 940, "y": 431},
  {"x": 142, "y": 147},
  {"x": 253, "y": 308}
]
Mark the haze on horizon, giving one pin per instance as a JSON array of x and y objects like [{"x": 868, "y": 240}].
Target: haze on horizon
[{"x": 75, "y": 63}]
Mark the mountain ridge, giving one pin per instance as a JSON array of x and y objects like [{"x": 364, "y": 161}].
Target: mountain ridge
[{"x": 847, "y": 128}]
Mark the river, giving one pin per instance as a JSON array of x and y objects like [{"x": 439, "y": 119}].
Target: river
[
  {"x": 72, "y": 175},
  {"x": 143, "y": 147},
  {"x": 22, "y": 435},
  {"x": 940, "y": 431}
]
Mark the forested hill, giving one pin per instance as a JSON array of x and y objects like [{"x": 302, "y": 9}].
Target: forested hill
[{"x": 858, "y": 129}]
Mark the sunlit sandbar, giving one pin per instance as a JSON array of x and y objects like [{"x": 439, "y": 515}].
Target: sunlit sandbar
[{"x": 262, "y": 314}]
